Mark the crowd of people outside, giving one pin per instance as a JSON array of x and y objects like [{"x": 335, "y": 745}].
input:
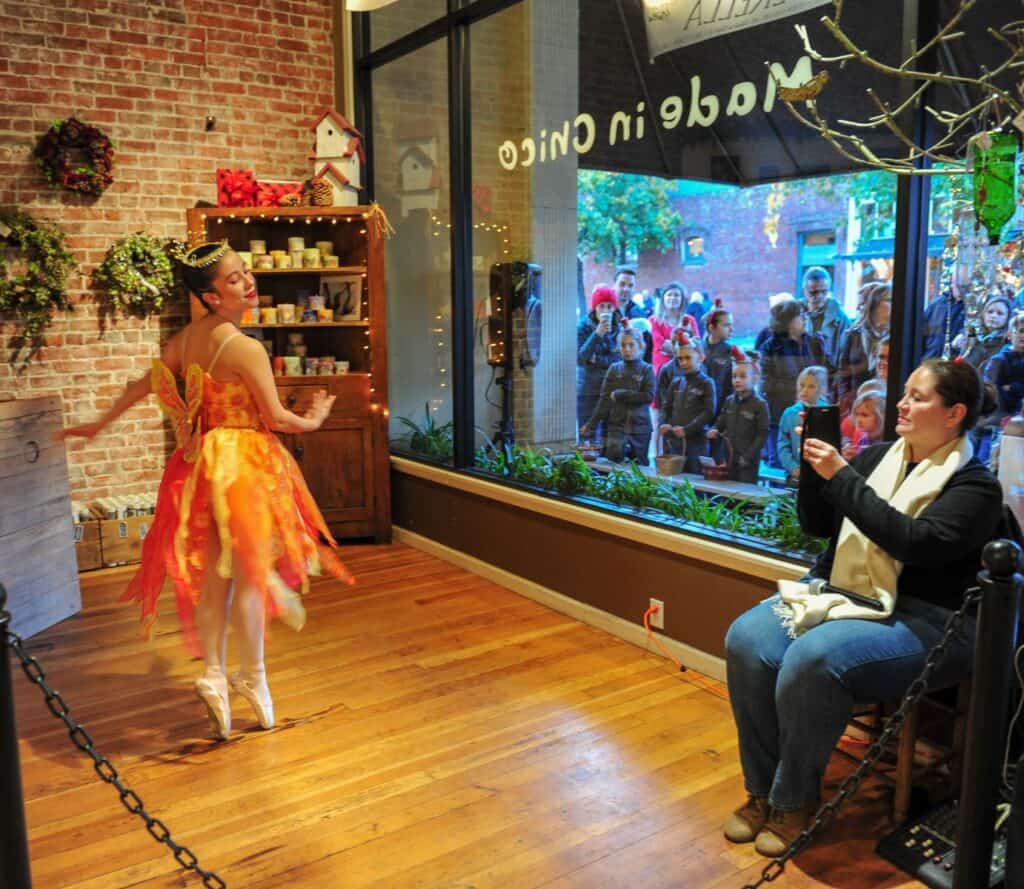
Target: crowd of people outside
[{"x": 666, "y": 376}]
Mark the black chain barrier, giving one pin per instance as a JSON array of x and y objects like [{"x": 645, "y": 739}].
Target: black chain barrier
[
  {"x": 890, "y": 727},
  {"x": 105, "y": 768}
]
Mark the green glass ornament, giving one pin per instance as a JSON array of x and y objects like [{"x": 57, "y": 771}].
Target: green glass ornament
[{"x": 995, "y": 192}]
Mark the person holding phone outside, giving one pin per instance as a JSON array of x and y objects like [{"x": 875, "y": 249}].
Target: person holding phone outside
[
  {"x": 235, "y": 528},
  {"x": 596, "y": 350},
  {"x": 906, "y": 526}
]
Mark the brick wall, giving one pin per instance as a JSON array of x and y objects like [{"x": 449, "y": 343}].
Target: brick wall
[
  {"x": 148, "y": 72},
  {"x": 740, "y": 264}
]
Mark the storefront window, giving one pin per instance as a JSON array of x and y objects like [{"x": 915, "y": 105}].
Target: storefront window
[
  {"x": 410, "y": 164},
  {"x": 626, "y": 203}
]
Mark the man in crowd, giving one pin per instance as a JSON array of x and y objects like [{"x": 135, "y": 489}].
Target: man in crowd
[
  {"x": 944, "y": 320},
  {"x": 825, "y": 316},
  {"x": 625, "y": 286}
]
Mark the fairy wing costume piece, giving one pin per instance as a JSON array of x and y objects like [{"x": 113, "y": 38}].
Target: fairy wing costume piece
[{"x": 230, "y": 487}]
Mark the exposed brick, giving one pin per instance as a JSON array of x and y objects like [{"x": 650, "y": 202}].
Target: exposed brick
[{"x": 146, "y": 75}]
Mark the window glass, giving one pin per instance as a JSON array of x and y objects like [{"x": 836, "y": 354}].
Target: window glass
[
  {"x": 402, "y": 17},
  {"x": 410, "y": 164},
  {"x": 718, "y": 225}
]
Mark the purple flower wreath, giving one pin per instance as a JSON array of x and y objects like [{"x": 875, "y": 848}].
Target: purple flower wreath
[{"x": 76, "y": 156}]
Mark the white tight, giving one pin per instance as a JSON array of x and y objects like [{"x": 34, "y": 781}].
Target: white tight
[{"x": 248, "y": 617}]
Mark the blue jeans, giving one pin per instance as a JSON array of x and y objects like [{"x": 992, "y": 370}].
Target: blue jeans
[{"x": 792, "y": 698}]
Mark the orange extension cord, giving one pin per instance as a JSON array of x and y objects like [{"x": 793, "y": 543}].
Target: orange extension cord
[{"x": 692, "y": 678}]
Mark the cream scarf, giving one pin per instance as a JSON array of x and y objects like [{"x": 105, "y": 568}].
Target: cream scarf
[{"x": 861, "y": 565}]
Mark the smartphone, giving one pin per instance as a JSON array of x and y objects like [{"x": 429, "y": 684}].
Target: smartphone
[
  {"x": 822, "y": 423},
  {"x": 816, "y": 514}
]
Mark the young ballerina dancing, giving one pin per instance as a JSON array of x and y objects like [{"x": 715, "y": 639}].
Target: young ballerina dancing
[{"x": 236, "y": 528}]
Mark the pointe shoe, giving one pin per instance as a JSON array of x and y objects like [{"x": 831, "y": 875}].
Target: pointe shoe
[
  {"x": 215, "y": 695},
  {"x": 257, "y": 693}
]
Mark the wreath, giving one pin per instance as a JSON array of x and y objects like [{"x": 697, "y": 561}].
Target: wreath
[
  {"x": 137, "y": 274},
  {"x": 76, "y": 156},
  {"x": 34, "y": 268}
]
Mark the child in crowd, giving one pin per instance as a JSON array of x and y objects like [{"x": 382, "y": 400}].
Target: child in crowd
[
  {"x": 623, "y": 406},
  {"x": 743, "y": 420},
  {"x": 847, "y": 426},
  {"x": 811, "y": 391},
  {"x": 688, "y": 407},
  {"x": 1005, "y": 369},
  {"x": 718, "y": 352},
  {"x": 868, "y": 420},
  {"x": 671, "y": 371},
  {"x": 978, "y": 347}
]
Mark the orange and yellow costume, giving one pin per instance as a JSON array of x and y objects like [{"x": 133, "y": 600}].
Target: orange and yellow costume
[{"x": 230, "y": 491}]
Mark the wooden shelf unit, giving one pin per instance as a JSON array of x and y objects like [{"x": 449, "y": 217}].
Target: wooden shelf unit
[{"x": 345, "y": 462}]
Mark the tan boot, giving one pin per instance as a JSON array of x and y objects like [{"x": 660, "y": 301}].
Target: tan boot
[
  {"x": 781, "y": 829},
  {"x": 747, "y": 821}
]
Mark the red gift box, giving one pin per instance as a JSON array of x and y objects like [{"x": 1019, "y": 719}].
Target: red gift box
[
  {"x": 235, "y": 188},
  {"x": 269, "y": 193}
]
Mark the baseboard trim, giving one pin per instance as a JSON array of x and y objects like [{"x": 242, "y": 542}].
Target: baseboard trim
[{"x": 690, "y": 657}]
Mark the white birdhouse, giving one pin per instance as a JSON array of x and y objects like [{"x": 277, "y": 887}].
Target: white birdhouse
[
  {"x": 419, "y": 176},
  {"x": 338, "y": 156}
]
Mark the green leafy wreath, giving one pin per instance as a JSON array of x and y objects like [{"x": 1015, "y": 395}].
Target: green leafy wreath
[
  {"x": 137, "y": 274},
  {"x": 62, "y": 150},
  {"x": 34, "y": 269}
]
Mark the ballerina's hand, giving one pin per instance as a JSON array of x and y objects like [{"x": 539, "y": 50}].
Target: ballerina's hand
[
  {"x": 321, "y": 406},
  {"x": 823, "y": 458},
  {"x": 85, "y": 430}
]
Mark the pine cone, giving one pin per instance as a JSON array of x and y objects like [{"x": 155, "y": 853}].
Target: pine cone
[
  {"x": 321, "y": 193},
  {"x": 291, "y": 200}
]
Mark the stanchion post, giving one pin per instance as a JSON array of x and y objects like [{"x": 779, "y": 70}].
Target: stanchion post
[
  {"x": 995, "y": 642},
  {"x": 14, "y": 862}
]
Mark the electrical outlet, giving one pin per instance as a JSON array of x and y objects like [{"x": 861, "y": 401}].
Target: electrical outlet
[{"x": 658, "y": 618}]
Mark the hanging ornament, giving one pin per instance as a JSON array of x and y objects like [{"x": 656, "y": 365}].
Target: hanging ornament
[{"x": 995, "y": 192}]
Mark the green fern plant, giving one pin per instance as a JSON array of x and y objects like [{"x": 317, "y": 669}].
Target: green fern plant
[{"x": 431, "y": 439}]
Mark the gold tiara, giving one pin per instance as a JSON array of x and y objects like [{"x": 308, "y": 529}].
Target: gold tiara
[{"x": 204, "y": 262}]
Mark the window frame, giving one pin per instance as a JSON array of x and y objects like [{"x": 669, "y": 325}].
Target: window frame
[{"x": 913, "y": 203}]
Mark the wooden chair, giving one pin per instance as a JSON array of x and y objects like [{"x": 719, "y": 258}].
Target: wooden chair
[{"x": 901, "y": 770}]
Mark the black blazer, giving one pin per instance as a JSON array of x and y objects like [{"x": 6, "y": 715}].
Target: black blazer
[{"x": 940, "y": 549}]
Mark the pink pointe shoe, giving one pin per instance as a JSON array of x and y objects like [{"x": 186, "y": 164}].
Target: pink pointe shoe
[
  {"x": 257, "y": 693},
  {"x": 214, "y": 694}
]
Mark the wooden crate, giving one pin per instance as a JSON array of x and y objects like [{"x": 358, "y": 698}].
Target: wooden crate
[
  {"x": 88, "y": 548},
  {"x": 121, "y": 539},
  {"x": 37, "y": 549}
]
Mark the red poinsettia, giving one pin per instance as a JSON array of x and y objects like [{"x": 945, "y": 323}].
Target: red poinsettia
[{"x": 236, "y": 188}]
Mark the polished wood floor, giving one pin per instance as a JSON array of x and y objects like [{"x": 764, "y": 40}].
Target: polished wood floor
[{"x": 435, "y": 730}]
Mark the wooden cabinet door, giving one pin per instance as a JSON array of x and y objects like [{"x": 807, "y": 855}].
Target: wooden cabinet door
[{"x": 337, "y": 462}]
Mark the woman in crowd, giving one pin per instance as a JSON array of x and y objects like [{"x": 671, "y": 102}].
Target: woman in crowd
[
  {"x": 235, "y": 527},
  {"x": 859, "y": 349},
  {"x": 910, "y": 519},
  {"x": 668, "y": 316},
  {"x": 596, "y": 350},
  {"x": 786, "y": 352}
]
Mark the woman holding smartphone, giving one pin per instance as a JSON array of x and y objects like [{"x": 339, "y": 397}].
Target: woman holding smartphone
[{"x": 906, "y": 523}]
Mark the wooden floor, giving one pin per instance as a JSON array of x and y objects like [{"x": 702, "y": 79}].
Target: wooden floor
[{"x": 435, "y": 730}]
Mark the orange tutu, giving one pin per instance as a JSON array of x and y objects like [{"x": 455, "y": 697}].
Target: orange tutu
[{"x": 242, "y": 495}]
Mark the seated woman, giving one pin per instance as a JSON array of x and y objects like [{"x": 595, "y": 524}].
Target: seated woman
[{"x": 910, "y": 520}]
